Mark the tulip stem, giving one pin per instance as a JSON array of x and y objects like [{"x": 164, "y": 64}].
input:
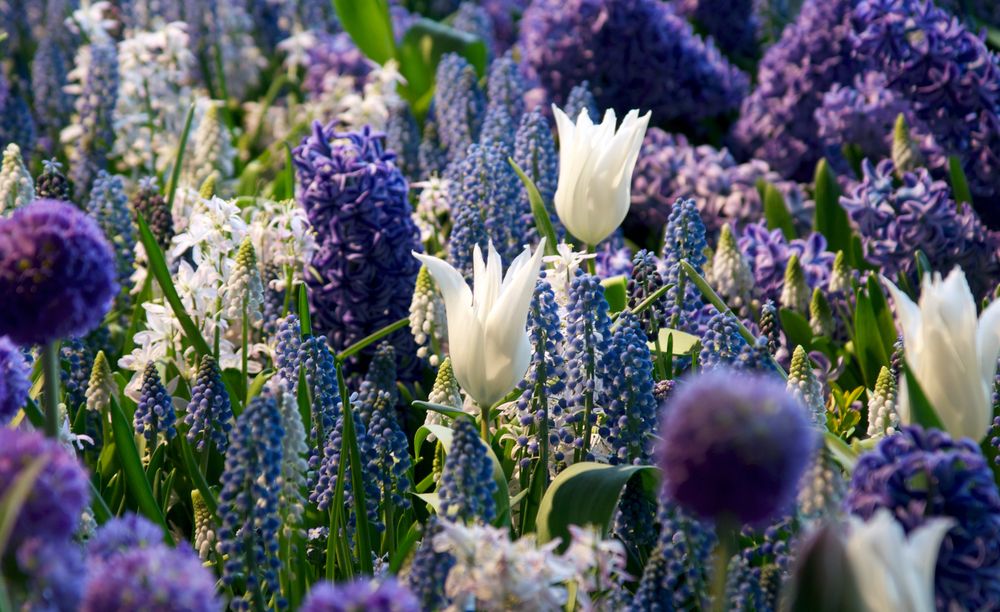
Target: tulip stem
[
  {"x": 484, "y": 422},
  {"x": 50, "y": 369},
  {"x": 592, "y": 261}
]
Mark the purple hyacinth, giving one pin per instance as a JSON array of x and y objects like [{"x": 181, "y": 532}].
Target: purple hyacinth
[
  {"x": 474, "y": 19},
  {"x": 921, "y": 474},
  {"x": 734, "y": 446},
  {"x": 356, "y": 199},
  {"x": 776, "y": 121},
  {"x": 332, "y": 56},
  {"x": 121, "y": 535},
  {"x": 153, "y": 578},
  {"x": 14, "y": 380},
  {"x": 57, "y": 273},
  {"x": 768, "y": 253},
  {"x": 732, "y": 24},
  {"x": 59, "y": 494},
  {"x": 623, "y": 47},
  {"x": 362, "y": 595},
  {"x": 919, "y": 214},
  {"x": 93, "y": 122}
]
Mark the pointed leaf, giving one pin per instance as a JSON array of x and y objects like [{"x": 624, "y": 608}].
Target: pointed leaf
[
  {"x": 921, "y": 410},
  {"x": 776, "y": 211},
  {"x": 830, "y": 217},
  {"x": 421, "y": 50},
  {"x": 959, "y": 182},
  {"x": 615, "y": 292},
  {"x": 543, "y": 223},
  {"x": 370, "y": 27}
]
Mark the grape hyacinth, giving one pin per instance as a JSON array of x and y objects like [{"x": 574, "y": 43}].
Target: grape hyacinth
[
  {"x": 154, "y": 413},
  {"x": 209, "y": 413},
  {"x": 319, "y": 370},
  {"x": 715, "y": 430},
  {"x": 14, "y": 380},
  {"x": 109, "y": 206},
  {"x": 391, "y": 454},
  {"x": 459, "y": 105},
  {"x": 883, "y": 418},
  {"x": 248, "y": 503},
  {"x": 535, "y": 154},
  {"x": 918, "y": 474},
  {"x": 636, "y": 39},
  {"x": 581, "y": 98},
  {"x": 148, "y": 202},
  {"x": 101, "y": 386},
  {"x": 57, "y": 272},
  {"x": 287, "y": 340},
  {"x": 467, "y": 486},
  {"x": 631, "y": 411},
  {"x": 722, "y": 346},
  {"x": 355, "y": 197},
  {"x": 90, "y": 137},
  {"x": 684, "y": 240}
]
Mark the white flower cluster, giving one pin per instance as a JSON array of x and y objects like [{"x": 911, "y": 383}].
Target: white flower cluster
[
  {"x": 211, "y": 148},
  {"x": 493, "y": 573},
  {"x": 156, "y": 71},
  {"x": 432, "y": 208},
  {"x": 242, "y": 61},
  {"x": 16, "y": 187},
  {"x": 283, "y": 238}
]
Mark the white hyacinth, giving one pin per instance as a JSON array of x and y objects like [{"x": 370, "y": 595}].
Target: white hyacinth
[{"x": 16, "y": 187}]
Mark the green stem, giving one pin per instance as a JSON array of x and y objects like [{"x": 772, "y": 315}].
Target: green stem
[
  {"x": 288, "y": 291},
  {"x": 591, "y": 261},
  {"x": 361, "y": 344},
  {"x": 245, "y": 357},
  {"x": 175, "y": 172},
  {"x": 350, "y": 439},
  {"x": 484, "y": 422},
  {"x": 50, "y": 368},
  {"x": 726, "y": 531}
]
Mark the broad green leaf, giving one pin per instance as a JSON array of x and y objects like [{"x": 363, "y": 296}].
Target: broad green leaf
[
  {"x": 502, "y": 494},
  {"x": 616, "y": 293},
  {"x": 921, "y": 410},
  {"x": 543, "y": 223},
  {"x": 880, "y": 307},
  {"x": 796, "y": 328},
  {"x": 128, "y": 456},
  {"x": 868, "y": 345},
  {"x": 776, "y": 211},
  {"x": 842, "y": 453},
  {"x": 587, "y": 494},
  {"x": 305, "y": 320},
  {"x": 404, "y": 547},
  {"x": 830, "y": 217},
  {"x": 959, "y": 182},
  {"x": 421, "y": 50},
  {"x": 674, "y": 341},
  {"x": 370, "y": 27},
  {"x": 257, "y": 384},
  {"x": 195, "y": 474}
]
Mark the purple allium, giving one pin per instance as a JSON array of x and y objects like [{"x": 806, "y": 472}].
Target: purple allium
[
  {"x": 633, "y": 53},
  {"x": 57, "y": 273},
  {"x": 121, "y": 535},
  {"x": 360, "y": 596},
  {"x": 776, "y": 121},
  {"x": 334, "y": 56},
  {"x": 734, "y": 446},
  {"x": 56, "y": 573},
  {"x": 55, "y": 501},
  {"x": 949, "y": 76},
  {"x": 768, "y": 253},
  {"x": 919, "y": 214},
  {"x": 14, "y": 380},
  {"x": 921, "y": 474},
  {"x": 157, "y": 578},
  {"x": 733, "y": 24},
  {"x": 356, "y": 199}
]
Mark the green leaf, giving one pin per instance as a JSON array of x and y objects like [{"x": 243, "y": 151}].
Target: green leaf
[
  {"x": 883, "y": 315},
  {"x": 448, "y": 411},
  {"x": 543, "y": 223},
  {"x": 776, "y": 211},
  {"x": 921, "y": 410},
  {"x": 195, "y": 474},
  {"x": 305, "y": 320},
  {"x": 959, "y": 183},
  {"x": 616, "y": 293},
  {"x": 370, "y": 27},
  {"x": 403, "y": 548},
  {"x": 841, "y": 452},
  {"x": 587, "y": 494},
  {"x": 830, "y": 218},
  {"x": 674, "y": 341},
  {"x": 175, "y": 173},
  {"x": 868, "y": 345},
  {"x": 502, "y": 494},
  {"x": 796, "y": 328},
  {"x": 257, "y": 384},
  {"x": 421, "y": 50},
  {"x": 15, "y": 497},
  {"x": 128, "y": 456}
]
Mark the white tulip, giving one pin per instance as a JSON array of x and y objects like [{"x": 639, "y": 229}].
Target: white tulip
[
  {"x": 595, "y": 172},
  {"x": 487, "y": 339},
  {"x": 895, "y": 573},
  {"x": 951, "y": 353}
]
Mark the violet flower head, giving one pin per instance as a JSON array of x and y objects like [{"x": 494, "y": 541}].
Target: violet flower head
[
  {"x": 121, "y": 535},
  {"x": 626, "y": 46},
  {"x": 894, "y": 222},
  {"x": 59, "y": 494},
  {"x": 734, "y": 446},
  {"x": 362, "y": 595},
  {"x": 157, "y": 578},
  {"x": 768, "y": 253},
  {"x": 57, "y": 273},
  {"x": 921, "y": 474},
  {"x": 776, "y": 121},
  {"x": 334, "y": 55},
  {"x": 363, "y": 272},
  {"x": 733, "y": 24},
  {"x": 56, "y": 573},
  {"x": 14, "y": 380}
]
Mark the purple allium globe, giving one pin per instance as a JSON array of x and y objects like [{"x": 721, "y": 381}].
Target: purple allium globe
[
  {"x": 633, "y": 53},
  {"x": 734, "y": 446},
  {"x": 14, "y": 382},
  {"x": 356, "y": 199},
  {"x": 158, "y": 579},
  {"x": 360, "y": 596},
  {"x": 57, "y": 273},
  {"x": 120, "y": 535},
  {"x": 921, "y": 474},
  {"x": 60, "y": 493}
]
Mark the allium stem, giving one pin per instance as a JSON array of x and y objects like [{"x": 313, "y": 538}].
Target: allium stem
[
  {"x": 726, "y": 530},
  {"x": 50, "y": 368}
]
